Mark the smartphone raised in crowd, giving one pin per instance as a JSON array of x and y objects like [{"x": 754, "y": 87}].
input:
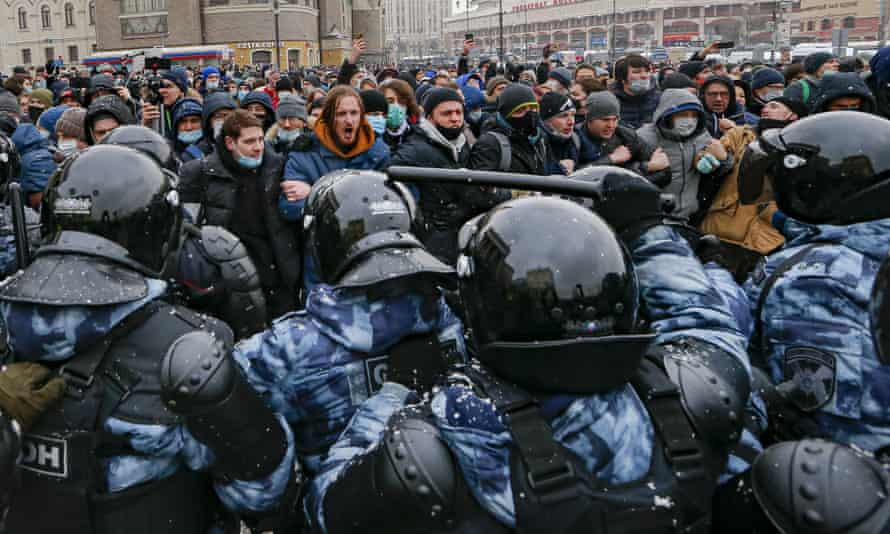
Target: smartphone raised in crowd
[{"x": 726, "y": 44}]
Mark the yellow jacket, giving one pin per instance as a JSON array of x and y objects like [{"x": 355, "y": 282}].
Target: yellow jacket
[{"x": 748, "y": 226}]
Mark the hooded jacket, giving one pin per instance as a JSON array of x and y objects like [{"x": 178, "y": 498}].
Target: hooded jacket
[
  {"x": 213, "y": 103},
  {"x": 682, "y": 152},
  {"x": 37, "y": 162},
  {"x": 815, "y": 328},
  {"x": 445, "y": 207},
  {"x": 526, "y": 156},
  {"x": 259, "y": 97},
  {"x": 636, "y": 110},
  {"x": 840, "y": 85},
  {"x": 186, "y": 107},
  {"x": 110, "y": 105},
  {"x": 734, "y": 111}
]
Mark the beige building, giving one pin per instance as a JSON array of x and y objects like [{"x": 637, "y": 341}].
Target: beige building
[
  {"x": 416, "y": 27},
  {"x": 310, "y": 31},
  {"x": 33, "y": 32},
  {"x": 860, "y": 17}
]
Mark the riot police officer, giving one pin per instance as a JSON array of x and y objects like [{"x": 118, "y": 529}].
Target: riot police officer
[
  {"x": 215, "y": 273},
  {"x": 571, "y": 420},
  {"x": 10, "y": 164},
  {"x": 809, "y": 300},
  {"x": 156, "y": 413},
  {"x": 378, "y": 301}
]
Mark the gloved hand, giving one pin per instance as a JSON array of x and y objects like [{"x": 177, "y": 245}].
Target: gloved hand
[{"x": 27, "y": 390}]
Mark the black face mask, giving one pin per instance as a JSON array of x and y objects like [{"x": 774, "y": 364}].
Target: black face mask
[
  {"x": 450, "y": 133},
  {"x": 771, "y": 124},
  {"x": 34, "y": 113},
  {"x": 526, "y": 125}
]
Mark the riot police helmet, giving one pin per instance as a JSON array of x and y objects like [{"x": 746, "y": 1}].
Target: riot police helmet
[
  {"x": 550, "y": 296},
  {"x": 830, "y": 168},
  {"x": 360, "y": 229},
  {"x": 145, "y": 140},
  {"x": 119, "y": 194}
]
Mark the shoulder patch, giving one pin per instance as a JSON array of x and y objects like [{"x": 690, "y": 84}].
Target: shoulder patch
[{"x": 812, "y": 373}]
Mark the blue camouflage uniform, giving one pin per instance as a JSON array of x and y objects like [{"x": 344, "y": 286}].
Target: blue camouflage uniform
[
  {"x": 611, "y": 432},
  {"x": 8, "y": 259},
  {"x": 318, "y": 365},
  {"x": 815, "y": 329},
  {"x": 42, "y": 333}
]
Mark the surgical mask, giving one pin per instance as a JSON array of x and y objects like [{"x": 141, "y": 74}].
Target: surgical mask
[
  {"x": 217, "y": 128},
  {"x": 250, "y": 163},
  {"x": 475, "y": 116},
  {"x": 233, "y": 93},
  {"x": 68, "y": 146},
  {"x": 40, "y": 84},
  {"x": 28, "y": 89},
  {"x": 772, "y": 95},
  {"x": 378, "y": 124},
  {"x": 684, "y": 126},
  {"x": 395, "y": 116},
  {"x": 288, "y": 136},
  {"x": 242, "y": 95},
  {"x": 212, "y": 85},
  {"x": 191, "y": 137},
  {"x": 43, "y": 133},
  {"x": 638, "y": 87}
]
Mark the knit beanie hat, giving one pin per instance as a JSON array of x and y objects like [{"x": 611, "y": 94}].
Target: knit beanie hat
[
  {"x": 208, "y": 71},
  {"x": 553, "y": 104},
  {"x": 602, "y": 104},
  {"x": 9, "y": 103},
  {"x": 562, "y": 75},
  {"x": 815, "y": 60},
  {"x": 48, "y": 118},
  {"x": 514, "y": 97},
  {"x": 374, "y": 101},
  {"x": 178, "y": 77},
  {"x": 494, "y": 82},
  {"x": 764, "y": 77},
  {"x": 692, "y": 68},
  {"x": 677, "y": 80},
  {"x": 71, "y": 124},
  {"x": 291, "y": 106},
  {"x": 45, "y": 96},
  {"x": 438, "y": 95}
]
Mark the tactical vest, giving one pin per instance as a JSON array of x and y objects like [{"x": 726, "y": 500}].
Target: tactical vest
[
  {"x": 554, "y": 492},
  {"x": 63, "y": 487}
]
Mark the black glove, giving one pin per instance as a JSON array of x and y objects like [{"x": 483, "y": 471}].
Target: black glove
[
  {"x": 631, "y": 204},
  {"x": 27, "y": 390}
]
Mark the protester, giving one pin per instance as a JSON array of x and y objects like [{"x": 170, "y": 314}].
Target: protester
[
  {"x": 564, "y": 144},
  {"x": 634, "y": 89},
  {"x": 721, "y": 109},
  {"x": 187, "y": 120},
  {"x": 70, "y": 134},
  {"x": 844, "y": 91},
  {"x": 260, "y": 105},
  {"x": 291, "y": 125},
  {"x": 766, "y": 84},
  {"x": 515, "y": 142},
  {"x": 817, "y": 66},
  {"x": 402, "y": 111}
]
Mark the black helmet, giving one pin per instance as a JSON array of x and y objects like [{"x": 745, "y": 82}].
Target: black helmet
[
  {"x": 819, "y": 486},
  {"x": 879, "y": 313},
  {"x": 360, "y": 230},
  {"x": 145, "y": 140},
  {"x": 120, "y": 194},
  {"x": 829, "y": 168},
  {"x": 551, "y": 296},
  {"x": 10, "y": 162}
]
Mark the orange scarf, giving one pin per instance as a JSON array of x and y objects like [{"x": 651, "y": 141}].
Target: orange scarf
[{"x": 364, "y": 139}]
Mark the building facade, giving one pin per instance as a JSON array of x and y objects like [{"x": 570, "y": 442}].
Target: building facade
[
  {"x": 585, "y": 25},
  {"x": 861, "y": 18},
  {"x": 33, "y": 32},
  {"x": 416, "y": 27},
  {"x": 309, "y": 31}
]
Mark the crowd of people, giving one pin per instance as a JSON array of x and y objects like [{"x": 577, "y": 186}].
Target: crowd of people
[{"x": 479, "y": 297}]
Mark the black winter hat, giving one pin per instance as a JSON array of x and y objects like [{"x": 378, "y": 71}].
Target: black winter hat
[
  {"x": 438, "y": 95},
  {"x": 815, "y": 60},
  {"x": 692, "y": 68},
  {"x": 553, "y": 104},
  {"x": 374, "y": 101},
  {"x": 677, "y": 80},
  {"x": 515, "y": 96}
]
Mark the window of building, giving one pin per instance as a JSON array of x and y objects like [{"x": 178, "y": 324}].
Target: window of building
[
  {"x": 50, "y": 53},
  {"x": 811, "y": 26},
  {"x": 826, "y": 24},
  {"x": 849, "y": 22},
  {"x": 23, "y": 19},
  {"x": 45, "y": 17},
  {"x": 153, "y": 24},
  {"x": 69, "y": 15},
  {"x": 92, "y": 13},
  {"x": 26, "y": 56},
  {"x": 219, "y": 2},
  {"x": 129, "y": 7},
  {"x": 73, "y": 54}
]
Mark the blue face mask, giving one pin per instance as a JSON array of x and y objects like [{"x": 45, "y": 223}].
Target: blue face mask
[
  {"x": 242, "y": 94},
  {"x": 250, "y": 163},
  {"x": 378, "y": 124},
  {"x": 190, "y": 138},
  {"x": 288, "y": 135}
]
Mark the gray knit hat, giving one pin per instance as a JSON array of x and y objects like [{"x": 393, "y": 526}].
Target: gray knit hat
[
  {"x": 291, "y": 106},
  {"x": 602, "y": 104},
  {"x": 70, "y": 124},
  {"x": 9, "y": 103}
]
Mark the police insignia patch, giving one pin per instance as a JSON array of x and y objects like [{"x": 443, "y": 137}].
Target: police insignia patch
[
  {"x": 812, "y": 372},
  {"x": 73, "y": 206}
]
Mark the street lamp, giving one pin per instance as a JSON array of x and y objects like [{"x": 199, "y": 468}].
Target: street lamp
[
  {"x": 275, "y": 13},
  {"x": 612, "y": 37}
]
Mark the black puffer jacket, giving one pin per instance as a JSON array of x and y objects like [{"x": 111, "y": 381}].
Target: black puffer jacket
[
  {"x": 223, "y": 189},
  {"x": 445, "y": 207},
  {"x": 526, "y": 158}
]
